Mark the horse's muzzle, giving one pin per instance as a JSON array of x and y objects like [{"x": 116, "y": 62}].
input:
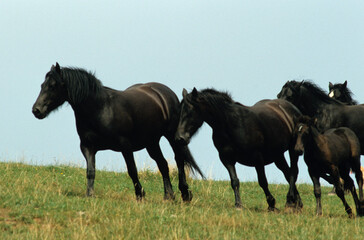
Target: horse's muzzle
[
  {"x": 182, "y": 140},
  {"x": 37, "y": 113},
  {"x": 298, "y": 151}
]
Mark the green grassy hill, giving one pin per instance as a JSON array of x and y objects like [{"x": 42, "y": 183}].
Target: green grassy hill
[{"x": 50, "y": 203}]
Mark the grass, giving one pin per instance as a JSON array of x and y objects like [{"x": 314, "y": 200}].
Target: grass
[{"x": 49, "y": 203}]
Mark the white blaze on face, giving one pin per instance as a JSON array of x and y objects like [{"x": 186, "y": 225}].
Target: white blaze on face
[
  {"x": 331, "y": 94},
  {"x": 300, "y": 128}
]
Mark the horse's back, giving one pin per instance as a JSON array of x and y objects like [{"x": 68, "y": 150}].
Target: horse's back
[
  {"x": 279, "y": 109},
  {"x": 163, "y": 92},
  {"x": 152, "y": 106},
  {"x": 343, "y": 138}
]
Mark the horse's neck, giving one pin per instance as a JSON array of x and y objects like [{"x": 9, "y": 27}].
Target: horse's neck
[
  {"x": 90, "y": 105},
  {"x": 315, "y": 141},
  {"x": 313, "y": 105},
  {"x": 222, "y": 119}
]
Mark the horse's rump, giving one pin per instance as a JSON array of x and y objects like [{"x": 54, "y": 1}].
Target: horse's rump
[{"x": 277, "y": 120}]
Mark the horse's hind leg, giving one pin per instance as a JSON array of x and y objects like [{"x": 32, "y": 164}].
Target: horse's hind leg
[
  {"x": 359, "y": 179},
  {"x": 349, "y": 184},
  {"x": 339, "y": 189},
  {"x": 132, "y": 171},
  {"x": 263, "y": 183},
  {"x": 293, "y": 197},
  {"x": 156, "y": 154}
]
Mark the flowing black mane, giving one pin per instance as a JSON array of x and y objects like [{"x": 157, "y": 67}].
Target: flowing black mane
[
  {"x": 80, "y": 84},
  {"x": 349, "y": 96},
  {"x": 216, "y": 98},
  {"x": 318, "y": 92},
  {"x": 221, "y": 104}
]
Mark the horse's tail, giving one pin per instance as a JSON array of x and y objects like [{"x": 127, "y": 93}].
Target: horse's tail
[{"x": 190, "y": 163}]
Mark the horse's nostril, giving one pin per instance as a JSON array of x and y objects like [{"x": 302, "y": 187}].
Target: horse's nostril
[
  {"x": 181, "y": 140},
  {"x": 35, "y": 111}
]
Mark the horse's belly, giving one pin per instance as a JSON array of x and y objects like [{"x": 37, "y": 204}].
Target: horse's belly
[{"x": 252, "y": 160}]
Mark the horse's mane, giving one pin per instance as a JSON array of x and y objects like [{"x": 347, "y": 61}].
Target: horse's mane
[
  {"x": 220, "y": 103},
  {"x": 215, "y": 97},
  {"x": 80, "y": 84},
  {"x": 347, "y": 93},
  {"x": 318, "y": 92}
]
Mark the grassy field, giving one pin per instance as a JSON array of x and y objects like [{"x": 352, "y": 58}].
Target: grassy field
[{"x": 50, "y": 203}]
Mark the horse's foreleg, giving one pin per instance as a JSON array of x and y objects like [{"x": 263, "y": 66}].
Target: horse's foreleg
[
  {"x": 156, "y": 154},
  {"x": 181, "y": 152},
  {"x": 316, "y": 190},
  {"x": 133, "y": 173},
  {"x": 263, "y": 183},
  {"x": 235, "y": 183},
  {"x": 293, "y": 197},
  {"x": 297, "y": 202},
  {"x": 89, "y": 155}
]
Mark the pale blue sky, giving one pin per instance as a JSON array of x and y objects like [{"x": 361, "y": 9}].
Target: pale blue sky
[{"x": 249, "y": 48}]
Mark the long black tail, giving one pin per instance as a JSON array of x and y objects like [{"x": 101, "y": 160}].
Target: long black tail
[{"x": 191, "y": 163}]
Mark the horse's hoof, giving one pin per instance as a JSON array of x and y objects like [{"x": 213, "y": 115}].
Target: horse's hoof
[
  {"x": 187, "y": 197},
  {"x": 292, "y": 209},
  {"x": 140, "y": 196},
  {"x": 90, "y": 193},
  {"x": 169, "y": 196},
  {"x": 273, "y": 209},
  {"x": 292, "y": 205},
  {"x": 238, "y": 206}
]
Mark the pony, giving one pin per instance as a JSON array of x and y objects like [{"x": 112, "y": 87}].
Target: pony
[
  {"x": 122, "y": 121},
  {"x": 342, "y": 93},
  {"x": 253, "y": 136},
  {"x": 330, "y": 113},
  {"x": 333, "y": 152}
]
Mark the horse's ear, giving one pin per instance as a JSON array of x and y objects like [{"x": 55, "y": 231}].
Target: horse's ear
[
  {"x": 345, "y": 84},
  {"x": 331, "y": 85},
  {"x": 184, "y": 93},
  {"x": 194, "y": 93},
  {"x": 58, "y": 68}
]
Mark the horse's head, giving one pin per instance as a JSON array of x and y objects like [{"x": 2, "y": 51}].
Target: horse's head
[
  {"x": 302, "y": 132},
  {"x": 190, "y": 117},
  {"x": 290, "y": 91},
  {"x": 337, "y": 90},
  {"x": 52, "y": 93}
]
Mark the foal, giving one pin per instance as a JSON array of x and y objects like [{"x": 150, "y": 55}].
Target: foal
[{"x": 333, "y": 152}]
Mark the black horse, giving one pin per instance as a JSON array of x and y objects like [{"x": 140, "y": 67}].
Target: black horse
[
  {"x": 254, "y": 136},
  {"x": 333, "y": 152},
  {"x": 123, "y": 121},
  {"x": 342, "y": 93},
  {"x": 314, "y": 102}
]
